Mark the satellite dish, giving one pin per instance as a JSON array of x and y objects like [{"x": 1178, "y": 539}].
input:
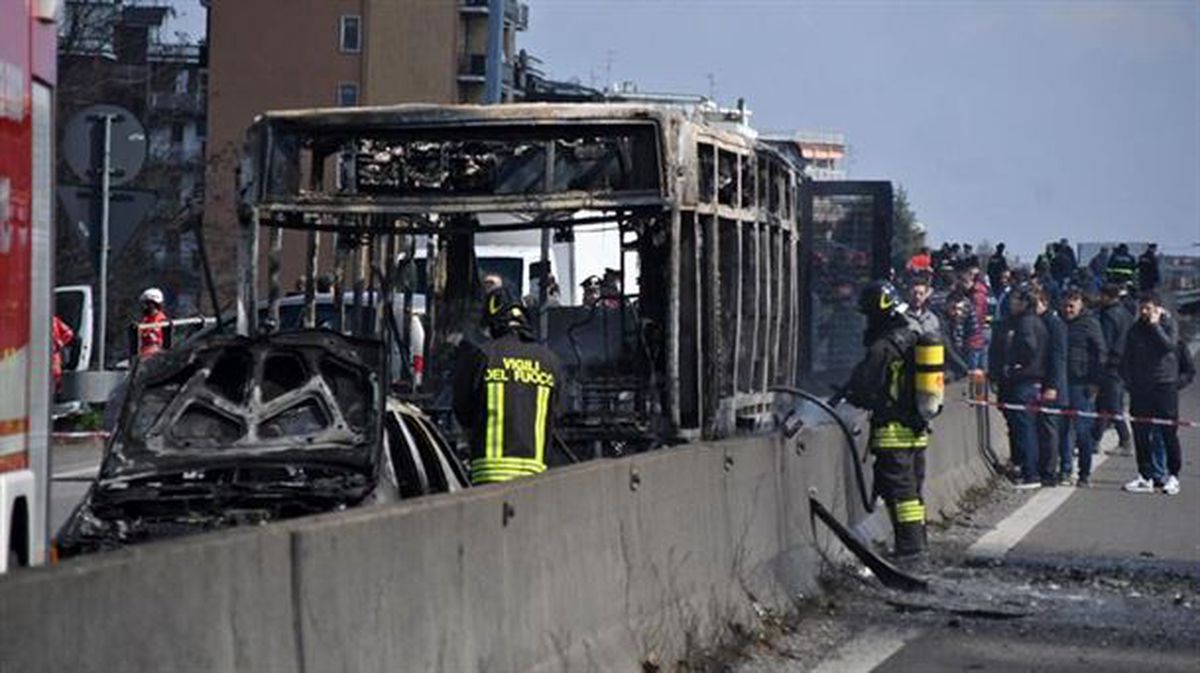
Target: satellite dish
[{"x": 83, "y": 143}]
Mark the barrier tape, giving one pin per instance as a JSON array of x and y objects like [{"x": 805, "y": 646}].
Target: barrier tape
[
  {"x": 1075, "y": 413},
  {"x": 176, "y": 322},
  {"x": 79, "y": 435}
]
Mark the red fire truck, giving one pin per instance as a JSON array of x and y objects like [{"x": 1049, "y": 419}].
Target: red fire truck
[{"x": 27, "y": 77}]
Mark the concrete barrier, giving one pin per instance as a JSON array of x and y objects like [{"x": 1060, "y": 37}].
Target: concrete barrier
[
  {"x": 593, "y": 567},
  {"x": 213, "y": 603}
]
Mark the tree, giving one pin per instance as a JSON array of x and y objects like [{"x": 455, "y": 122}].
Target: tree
[
  {"x": 109, "y": 52},
  {"x": 907, "y": 235}
]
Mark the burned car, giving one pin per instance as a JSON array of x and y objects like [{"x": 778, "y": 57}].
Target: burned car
[{"x": 232, "y": 431}]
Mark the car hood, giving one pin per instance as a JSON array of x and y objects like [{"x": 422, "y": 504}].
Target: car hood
[{"x": 306, "y": 397}]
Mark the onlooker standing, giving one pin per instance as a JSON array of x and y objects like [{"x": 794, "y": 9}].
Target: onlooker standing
[
  {"x": 1148, "y": 275},
  {"x": 1063, "y": 264},
  {"x": 1054, "y": 388},
  {"x": 1043, "y": 261},
  {"x": 1115, "y": 321},
  {"x": 1018, "y": 362},
  {"x": 920, "y": 263},
  {"x": 996, "y": 266},
  {"x": 1098, "y": 264},
  {"x": 959, "y": 323},
  {"x": 977, "y": 291},
  {"x": 919, "y": 309},
  {"x": 1150, "y": 367},
  {"x": 969, "y": 258},
  {"x": 1085, "y": 370},
  {"x": 1002, "y": 294},
  {"x": 1046, "y": 282}
]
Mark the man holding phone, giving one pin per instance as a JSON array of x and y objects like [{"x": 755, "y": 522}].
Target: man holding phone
[{"x": 1150, "y": 368}]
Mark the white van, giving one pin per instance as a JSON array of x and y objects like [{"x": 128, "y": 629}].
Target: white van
[{"x": 513, "y": 263}]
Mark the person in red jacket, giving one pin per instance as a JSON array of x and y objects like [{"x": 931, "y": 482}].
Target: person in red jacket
[
  {"x": 151, "y": 331},
  {"x": 974, "y": 288},
  {"x": 61, "y": 336},
  {"x": 920, "y": 263}
]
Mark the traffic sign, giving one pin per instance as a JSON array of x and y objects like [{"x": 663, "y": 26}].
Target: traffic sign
[{"x": 83, "y": 143}]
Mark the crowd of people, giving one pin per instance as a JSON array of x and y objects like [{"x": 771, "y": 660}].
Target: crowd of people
[{"x": 1062, "y": 335}]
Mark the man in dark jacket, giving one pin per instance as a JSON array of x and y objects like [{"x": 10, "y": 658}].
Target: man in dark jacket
[
  {"x": 506, "y": 396},
  {"x": 996, "y": 266},
  {"x": 1115, "y": 321},
  {"x": 1150, "y": 368},
  {"x": 1018, "y": 365},
  {"x": 956, "y": 332},
  {"x": 1054, "y": 389},
  {"x": 1098, "y": 264},
  {"x": 1063, "y": 264},
  {"x": 1085, "y": 370},
  {"x": 1148, "y": 275}
]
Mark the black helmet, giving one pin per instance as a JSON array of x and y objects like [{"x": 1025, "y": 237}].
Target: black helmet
[
  {"x": 880, "y": 299},
  {"x": 501, "y": 314}
]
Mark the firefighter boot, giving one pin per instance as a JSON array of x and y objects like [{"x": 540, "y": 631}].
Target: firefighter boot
[
  {"x": 910, "y": 539},
  {"x": 908, "y": 522}
]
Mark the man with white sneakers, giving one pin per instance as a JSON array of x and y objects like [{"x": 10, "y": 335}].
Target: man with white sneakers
[{"x": 1150, "y": 368}]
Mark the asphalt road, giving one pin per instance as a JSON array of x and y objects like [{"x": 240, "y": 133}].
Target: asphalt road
[
  {"x": 1063, "y": 579},
  {"x": 74, "y": 465}
]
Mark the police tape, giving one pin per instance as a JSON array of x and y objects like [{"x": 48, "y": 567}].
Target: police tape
[
  {"x": 1075, "y": 413},
  {"x": 89, "y": 434}
]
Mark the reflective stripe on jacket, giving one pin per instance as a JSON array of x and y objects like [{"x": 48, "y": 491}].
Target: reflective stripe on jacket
[{"x": 505, "y": 394}]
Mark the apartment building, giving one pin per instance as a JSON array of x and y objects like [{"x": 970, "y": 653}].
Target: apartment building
[
  {"x": 112, "y": 52},
  {"x": 278, "y": 54}
]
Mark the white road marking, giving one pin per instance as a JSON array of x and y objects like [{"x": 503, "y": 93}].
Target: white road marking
[
  {"x": 864, "y": 652},
  {"x": 1009, "y": 532}
]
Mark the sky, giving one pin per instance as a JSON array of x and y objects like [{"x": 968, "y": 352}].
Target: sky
[{"x": 1008, "y": 120}]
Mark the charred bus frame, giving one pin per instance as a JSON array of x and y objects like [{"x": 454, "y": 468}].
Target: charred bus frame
[{"x": 712, "y": 213}]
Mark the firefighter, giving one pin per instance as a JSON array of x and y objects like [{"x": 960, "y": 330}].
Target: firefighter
[
  {"x": 900, "y": 382},
  {"x": 1122, "y": 267},
  {"x": 61, "y": 336},
  {"x": 151, "y": 332},
  {"x": 506, "y": 395}
]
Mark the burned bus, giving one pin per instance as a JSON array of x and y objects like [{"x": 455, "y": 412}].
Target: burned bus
[{"x": 710, "y": 294}]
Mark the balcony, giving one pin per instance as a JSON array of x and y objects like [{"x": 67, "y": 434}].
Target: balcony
[
  {"x": 176, "y": 154},
  {"x": 190, "y": 54},
  {"x": 473, "y": 68},
  {"x": 177, "y": 103},
  {"x": 516, "y": 13}
]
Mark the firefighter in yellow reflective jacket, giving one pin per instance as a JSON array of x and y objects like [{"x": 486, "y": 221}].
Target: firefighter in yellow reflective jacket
[
  {"x": 506, "y": 396},
  {"x": 900, "y": 382}
]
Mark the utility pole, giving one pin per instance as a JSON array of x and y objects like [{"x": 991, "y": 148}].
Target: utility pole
[{"x": 105, "y": 188}]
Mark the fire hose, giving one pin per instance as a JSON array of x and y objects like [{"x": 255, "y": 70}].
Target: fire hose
[
  {"x": 828, "y": 407},
  {"x": 891, "y": 576}
]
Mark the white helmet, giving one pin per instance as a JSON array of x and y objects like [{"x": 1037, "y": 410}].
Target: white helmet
[{"x": 152, "y": 294}]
